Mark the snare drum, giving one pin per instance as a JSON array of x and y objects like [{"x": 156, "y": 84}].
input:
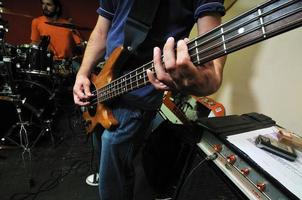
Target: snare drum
[{"x": 34, "y": 60}]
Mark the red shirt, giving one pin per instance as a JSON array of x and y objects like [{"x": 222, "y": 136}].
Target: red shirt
[{"x": 62, "y": 40}]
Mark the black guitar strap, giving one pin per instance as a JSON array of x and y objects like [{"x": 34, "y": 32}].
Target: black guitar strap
[{"x": 139, "y": 22}]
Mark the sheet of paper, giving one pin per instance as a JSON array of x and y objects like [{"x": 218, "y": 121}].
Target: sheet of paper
[{"x": 286, "y": 172}]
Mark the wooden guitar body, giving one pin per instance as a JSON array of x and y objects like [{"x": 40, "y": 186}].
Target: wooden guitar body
[{"x": 100, "y": 113}]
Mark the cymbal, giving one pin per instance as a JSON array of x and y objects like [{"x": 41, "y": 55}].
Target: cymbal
[
  {"x": 10, "y": 12},
  {"x": 7, "y": 147},
  {"x": 69, "y": 25}
]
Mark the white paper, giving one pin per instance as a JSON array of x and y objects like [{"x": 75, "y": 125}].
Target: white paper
[{"x": 286, "y": 172}]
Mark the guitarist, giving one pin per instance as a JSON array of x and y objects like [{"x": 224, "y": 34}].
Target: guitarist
[{"x": 135, "y": 110}]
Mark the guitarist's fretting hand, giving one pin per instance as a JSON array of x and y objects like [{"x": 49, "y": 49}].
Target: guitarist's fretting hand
[{"x": 177, "y": 72}]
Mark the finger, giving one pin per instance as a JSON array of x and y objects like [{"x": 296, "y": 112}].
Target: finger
[
  {"x": 77, "y": 91},
  {"x": 183, "y": 57},
  {"x": 186, "y": 40},
  {"x": 169, "y": 54},
  {"x": 87, "y": 91},
  {"x": 159, "y": 69},
  {"x": 78, "y": 101},
  {"x": 158, "y": 65},
  {"x": 161, "y": 74},
  {"x": 155, "y": 82}
]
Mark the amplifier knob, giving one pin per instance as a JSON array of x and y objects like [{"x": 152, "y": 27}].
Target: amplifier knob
[
  {"x": 231, "y": 159},
  {"x": 261, "y": 186},
  {"x": 245, "y": 171},
  {"x": 217, "y": 148}
]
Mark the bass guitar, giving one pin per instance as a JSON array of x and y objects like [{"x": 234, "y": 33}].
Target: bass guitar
[{"x": 265, "y": 21}]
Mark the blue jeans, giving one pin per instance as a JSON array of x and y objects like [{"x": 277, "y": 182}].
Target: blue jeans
[{"x": 119, "y": 147}]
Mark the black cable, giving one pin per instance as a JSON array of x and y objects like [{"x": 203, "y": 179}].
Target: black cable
[
  {"x": 209, "y": 157},
  {"x": 50, "y": 183}
]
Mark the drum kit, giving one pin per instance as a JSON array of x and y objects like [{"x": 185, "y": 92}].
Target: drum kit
[{"x": 30, "y": 81}]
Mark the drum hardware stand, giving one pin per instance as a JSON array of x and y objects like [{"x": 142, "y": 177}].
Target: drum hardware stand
[
  {"x": 46, "y": 129},
  {"x": 11, "y": 87}
]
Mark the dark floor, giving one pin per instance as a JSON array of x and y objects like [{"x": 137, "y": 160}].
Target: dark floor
[{"x": 58, "y": 168}]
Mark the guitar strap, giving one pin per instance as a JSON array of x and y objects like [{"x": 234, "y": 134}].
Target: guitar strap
[{"x": 139, "y": 22}]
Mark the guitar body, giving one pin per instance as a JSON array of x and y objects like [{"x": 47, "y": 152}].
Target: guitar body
[{"x": 100, "y": 113}]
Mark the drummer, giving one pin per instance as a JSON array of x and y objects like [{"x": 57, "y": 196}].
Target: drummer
[{"x": 64, "y": 43}]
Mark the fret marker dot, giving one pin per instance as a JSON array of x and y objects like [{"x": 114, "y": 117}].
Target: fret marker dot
[{"x": 241, "y": 30}]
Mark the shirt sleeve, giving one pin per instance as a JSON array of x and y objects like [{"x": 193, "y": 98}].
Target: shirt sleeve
[
  {"x": 202, "y": 7},
  {"x": 35, "y": 35},
  {"x": 106, "y": 9},
  {"x": 77, "y": 37}
]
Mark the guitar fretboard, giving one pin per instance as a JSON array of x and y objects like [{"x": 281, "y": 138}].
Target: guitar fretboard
[{"x": 263, "y": 22}]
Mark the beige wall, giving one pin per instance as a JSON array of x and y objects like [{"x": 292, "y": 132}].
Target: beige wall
[{"x": 266, "y": 77}]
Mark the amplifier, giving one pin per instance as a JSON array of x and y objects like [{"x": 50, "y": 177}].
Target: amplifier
[{"x": 249, "y": 177}]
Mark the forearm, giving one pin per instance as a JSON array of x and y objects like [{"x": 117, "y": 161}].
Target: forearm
[
  {"x": 212, "y": 72},
  {"x": 95, "y": 47},
  {"x": 94, "y": 51}
]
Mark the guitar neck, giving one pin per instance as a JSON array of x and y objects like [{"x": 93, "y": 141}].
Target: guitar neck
[{"x": 265, "y": 21}]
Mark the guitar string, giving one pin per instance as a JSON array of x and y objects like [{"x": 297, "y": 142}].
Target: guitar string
[
  {"x": 240, "y": 35},
  {"x": 238, "y": 25},
  {"x": 251, "y": 30},
  {"x": 96, "y": 100}
]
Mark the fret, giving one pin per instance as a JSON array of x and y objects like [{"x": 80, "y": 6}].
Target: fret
[
  {"x": 140, "y": 78},
  {"x": 98, "y": 94},
  {"x": 197, "y": 53},
  {"x": 107, "y": 93},
  {"x": 124, "y": 85},
  {"x": 261, "y": 22},
  {"x": 110, "y": 89},
  {"x": 144, "y": 72},
  {"x": 119, "y": 90},
  {"x": 205, "y": 45},
  {"x": 223, "y": 40},
  {"x": 136, "y": 76},
  {"x": 129, "y": 83},
  {"x": 146, "y": 79},
  {"x": 131, "y": 87},
  {"x": 133, "y": 79},
  {"x": 114, "y": 86},
  {"x": 102, "y": 93},
  {"x": 114, "y": 89}
]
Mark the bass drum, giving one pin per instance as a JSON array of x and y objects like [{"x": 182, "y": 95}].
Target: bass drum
[
  {"x": 39, "y": 95},
  {"x": 31, "y": 113}
]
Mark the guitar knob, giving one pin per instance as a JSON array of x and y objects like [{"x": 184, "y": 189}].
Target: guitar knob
[
  {"x": 245, "y": 171},
  {"x": 261, "y": 186},
  {"x": 217, "y": 148},
  {"x": 231, "y": 159}
]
